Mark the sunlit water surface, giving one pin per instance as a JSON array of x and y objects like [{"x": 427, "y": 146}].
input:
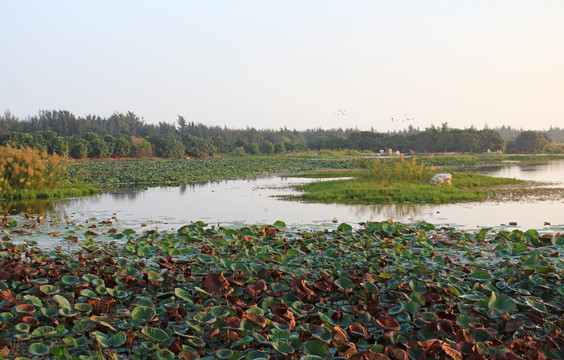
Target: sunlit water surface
[
  {"x": 242, "y": 202},
  {"x": 258, "y": 202}
]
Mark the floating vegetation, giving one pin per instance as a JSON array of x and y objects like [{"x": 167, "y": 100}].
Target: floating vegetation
[
  {"x": 385, "y": 291},
  {"x": 154, "y": 172}
]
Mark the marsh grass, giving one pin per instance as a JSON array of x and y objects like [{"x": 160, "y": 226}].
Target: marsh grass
[
  {"x": 43, "y": 194},
  {"x": 28, "y": 169},
  {"x": 400, "y": 180}
]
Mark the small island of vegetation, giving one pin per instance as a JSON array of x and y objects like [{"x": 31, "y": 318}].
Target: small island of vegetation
[{"x": 399, "y": 180}]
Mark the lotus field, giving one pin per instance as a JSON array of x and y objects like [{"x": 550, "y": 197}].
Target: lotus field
[{"x": 384, "y": 291}]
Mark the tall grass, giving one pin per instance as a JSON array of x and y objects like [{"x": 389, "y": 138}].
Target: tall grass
[
  {"x": 28, "y": 169},
  {"x": 398, "y": 169}
]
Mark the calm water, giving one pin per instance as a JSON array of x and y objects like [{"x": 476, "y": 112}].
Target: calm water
[{"x": 256, "y": 202}]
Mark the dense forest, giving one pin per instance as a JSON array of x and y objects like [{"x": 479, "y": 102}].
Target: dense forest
[{"x": 127, "y": 135}]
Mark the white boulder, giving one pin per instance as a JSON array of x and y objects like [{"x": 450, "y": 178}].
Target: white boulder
[{"x": 440, "y": 179}]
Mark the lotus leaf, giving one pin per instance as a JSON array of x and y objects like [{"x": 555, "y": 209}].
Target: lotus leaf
[
  {"x": 115, "y": 340},
  {"x": 43, "y": 331},
  {"x": 62, "y": 301},
  {"x": 500, "y": 304},
  {"x": 164, "y": 354},
  {"x": 318, "y": 348},
  {"x": 38, "y": 349},
  {"x": 49, "y": 289},
  {"x": 156, "y": 334},
  {"x": 143, "y": 313}
]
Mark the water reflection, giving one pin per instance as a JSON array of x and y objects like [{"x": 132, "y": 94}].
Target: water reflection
[{"x": 257, "y": 202}]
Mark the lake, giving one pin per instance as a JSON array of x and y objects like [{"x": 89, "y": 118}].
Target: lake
[{"x": 237, "y": 202}]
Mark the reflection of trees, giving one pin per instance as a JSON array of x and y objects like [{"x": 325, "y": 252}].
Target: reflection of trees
[
  {"x": 124, "y": 195},
  {"x": 31, "y": 207},
  {"x": 387, "y": 211}
]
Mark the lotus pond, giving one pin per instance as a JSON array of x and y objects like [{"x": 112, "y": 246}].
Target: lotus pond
[{"x": 384, "y": 291}]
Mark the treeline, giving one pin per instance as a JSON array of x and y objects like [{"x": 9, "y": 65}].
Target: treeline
[{"x": 127, "y": 135}]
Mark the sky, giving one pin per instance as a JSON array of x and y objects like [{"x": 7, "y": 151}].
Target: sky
[{"x": 300, "y": 64}]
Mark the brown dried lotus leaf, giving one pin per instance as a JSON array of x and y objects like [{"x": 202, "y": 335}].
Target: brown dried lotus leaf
[
  {"x": 388, "y": 323},
  {"x": 339, "y": 336},
  {"x": 397, "y": 354},
  {"x": 357, "y": 330},
  {"x": 206, "y": 249},
  {"x": 257, "y": 319},
  {"x": 216, "y": 282}
]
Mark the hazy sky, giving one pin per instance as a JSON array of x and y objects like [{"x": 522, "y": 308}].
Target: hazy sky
[{"x": 299, "y": 64}]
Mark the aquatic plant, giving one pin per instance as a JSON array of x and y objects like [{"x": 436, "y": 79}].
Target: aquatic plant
[{"x": 384, "y": 291}]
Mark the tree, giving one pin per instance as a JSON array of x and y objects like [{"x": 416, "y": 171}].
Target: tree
[
  {"x": 79, "y": 149},
  {"x": 122, "y": 146},
  {"x": 170, "y": 146},
  {"x": 197, "y": 147},
  {"x": 141, "y": 147},
  {"x": 252, "y": 148},
  {"x": 280, "y": 148},
  {"x": 267, "y": 147},
  {"x": 97, "y": 148},
  {"x": 182, "y": 125},
  {"x": 531, "y": 142}
]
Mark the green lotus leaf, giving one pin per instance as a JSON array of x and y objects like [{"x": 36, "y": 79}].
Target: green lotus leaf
[
  {"x": 280, "y": 224},
  {"x": 244, "y": 341},
  {"x": 155, "y": 276},
  {"x": 67, "y": 312},
  {"x": 196, "y": 341},
  {"x": 49, "y": 289},
  {"x": 164, "y": 354},
  {"x": 84, "y": 307},
  {"x": 184, "y": 295},
  {"x": 384, "y": 277},
  {"x": 464, "y": 320},
  {"x": 22, "y": 337},
  {"x": 38, "y": 349},
  {"x": 223, "y": 353},
  {"x": 89, "y": 294},
  {"x": 34, "y": 300},
  {"x": 115, "y": 340},
  {"x": 500, "y": 303},
  {"x": 155, "y": 334},
  {"x": 22, "y": 328},
  {"x": 117, "y": 293},
  {"x": 93, "y": 279},
  {"x": 101, "y": 290},
  {"x": 127, "y": 232},
  {"x": 312, "y": 357},
  {"x": 44, "y": 331},
  {"x": 62, "y": 301},
  {"x": 206, "y": 259},
  {"x": 204, "y": 317},
  {"x": 318, "y": 348},
  {"x": 40, "y": 281},
  {"x": 283, "y": 347},
  {"x": 277, "y": 287},
  {"x": 344, "y": 284},
  {"x": 143, "y": 313},
  {"x": 219, "y": 312},
  {"x": 480, "y": 275}
]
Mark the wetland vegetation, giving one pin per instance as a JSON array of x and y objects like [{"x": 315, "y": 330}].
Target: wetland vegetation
[
  {"x": 400, "y": 180},
  {"x": 385, "y": 291}
]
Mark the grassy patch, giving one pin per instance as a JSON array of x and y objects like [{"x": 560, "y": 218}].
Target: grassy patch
[
  {"x": 400, "y": 180},
  {"x": 49, "y": 193}
]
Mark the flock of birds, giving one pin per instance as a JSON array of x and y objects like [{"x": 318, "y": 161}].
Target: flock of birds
[
  {"x": 403, "y": 119},
  {"x": 342, "y": 112}
]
